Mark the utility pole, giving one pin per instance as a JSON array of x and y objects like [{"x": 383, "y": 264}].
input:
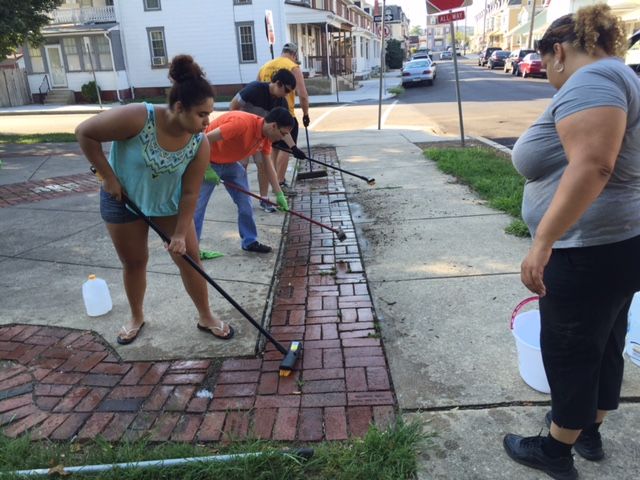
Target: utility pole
[
  {"x": 382, "y": 55},
  {"x": 533, "y": 16},
  {"x": 484, "y": 21}
]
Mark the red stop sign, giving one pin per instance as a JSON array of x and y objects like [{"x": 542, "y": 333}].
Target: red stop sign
[{"x": 435, "y": 6}]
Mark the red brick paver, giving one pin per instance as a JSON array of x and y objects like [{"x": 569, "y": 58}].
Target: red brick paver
[{"x": 59, "y": 383}]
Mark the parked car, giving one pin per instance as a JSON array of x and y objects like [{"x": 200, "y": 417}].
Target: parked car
[
  {"x": 446, "y": 55},
  {"x": 420, "y": 54},
  {"x": 418, "y": 71},
  {"x": 532, "y": 65},
  {"x": 497, "y": 59},
  {"x": 514, "y": 59},
  {"x": 483, "y": 56}
]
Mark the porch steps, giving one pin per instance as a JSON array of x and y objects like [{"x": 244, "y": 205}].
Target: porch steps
[{"x": 60, "y": 97}]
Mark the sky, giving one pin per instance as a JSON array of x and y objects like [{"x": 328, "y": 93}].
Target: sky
[{"x": 416, "y": 10}]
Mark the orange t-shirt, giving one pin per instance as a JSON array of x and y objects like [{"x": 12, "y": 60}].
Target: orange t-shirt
[{"x": 241, "y": 137}]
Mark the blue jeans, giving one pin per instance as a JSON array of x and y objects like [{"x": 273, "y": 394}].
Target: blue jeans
[{"x": 233, "y": 173}]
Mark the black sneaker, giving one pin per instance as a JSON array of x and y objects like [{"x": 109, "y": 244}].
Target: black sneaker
[
  {"x": 267, "y": 207},
  {"x": 287, "y": 190},
  {"x": 258, "y": 247},
  {"x": 528, "y": 451},
  {"x": 588, "y": 445}
]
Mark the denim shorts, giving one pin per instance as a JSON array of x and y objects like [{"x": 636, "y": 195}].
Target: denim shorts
[{"x": 113, "y": 211}]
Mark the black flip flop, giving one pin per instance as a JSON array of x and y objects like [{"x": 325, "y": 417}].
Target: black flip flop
[
  {"x": 127, "y": 341},
  {"x": 228, "y": 336}
]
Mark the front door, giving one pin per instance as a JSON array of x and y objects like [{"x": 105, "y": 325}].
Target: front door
[{"x": 56, "y": 66}]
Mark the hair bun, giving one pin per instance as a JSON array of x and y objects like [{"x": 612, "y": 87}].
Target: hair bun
[{"x": 184, "y": 68}]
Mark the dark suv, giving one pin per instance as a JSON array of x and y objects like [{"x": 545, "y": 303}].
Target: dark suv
[
  {"x": 512, "y": 62},
  {"x": 483, "y": 56}
]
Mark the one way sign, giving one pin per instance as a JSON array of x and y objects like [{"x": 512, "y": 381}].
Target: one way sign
[{"x": 387, "y": 18}]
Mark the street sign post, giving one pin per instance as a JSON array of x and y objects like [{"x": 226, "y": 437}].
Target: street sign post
[
  {"x": 450, "y": 17},
  {"x": 268, "y": 27},
  {"x": 378, "y": 18},
  {"x": 439, "y": 6}
]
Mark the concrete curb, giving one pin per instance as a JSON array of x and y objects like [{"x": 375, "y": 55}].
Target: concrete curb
[{"x": 493, "y": 144}]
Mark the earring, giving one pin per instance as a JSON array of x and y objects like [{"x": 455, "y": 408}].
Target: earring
[{"x": 558, "y": 67}]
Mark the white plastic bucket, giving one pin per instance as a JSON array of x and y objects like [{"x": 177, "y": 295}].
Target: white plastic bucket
[
  {"x": 95, "y": 293},
  {"x": 632, "y": 348},
  {"x": 526, "y": 330}
]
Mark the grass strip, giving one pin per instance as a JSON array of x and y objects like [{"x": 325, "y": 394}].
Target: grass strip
[
  {"x": 490, "y": 175},
  {"x": 382, "y": 454},
  {"x": 33, "y": 138}
]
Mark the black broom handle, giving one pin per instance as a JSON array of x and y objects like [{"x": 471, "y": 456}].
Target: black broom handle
[{"x": 197, "y": 267}]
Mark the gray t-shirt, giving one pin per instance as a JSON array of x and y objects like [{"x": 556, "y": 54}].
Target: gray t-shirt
[{"x": 538, "y": 156}]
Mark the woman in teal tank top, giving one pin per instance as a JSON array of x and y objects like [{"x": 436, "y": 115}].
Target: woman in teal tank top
[{"x": 158, "y": 158}]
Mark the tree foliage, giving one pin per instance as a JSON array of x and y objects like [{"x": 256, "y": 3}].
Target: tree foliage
[
  {"x": 415, "y": 30},
  {"x": 394, "y": 54},
  {"x": 21, "y": 20}
]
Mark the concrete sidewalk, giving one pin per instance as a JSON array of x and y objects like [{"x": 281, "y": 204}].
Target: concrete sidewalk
[
  {"x": 368, "y": 90},
  {"x": 432, "y": 265}
]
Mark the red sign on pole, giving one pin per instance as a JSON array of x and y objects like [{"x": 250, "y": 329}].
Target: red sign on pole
[
  {"x": 451, "y": 17},
  {"x": 439, "y": 6}
]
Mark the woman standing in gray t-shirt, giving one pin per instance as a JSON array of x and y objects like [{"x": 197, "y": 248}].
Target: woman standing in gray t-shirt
[{"x": 581, "y": 159}]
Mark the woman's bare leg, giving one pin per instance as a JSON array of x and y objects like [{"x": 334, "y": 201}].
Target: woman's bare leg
[
  {"x": 194, "y": 283},
  {"x": 130, "y": 242}
]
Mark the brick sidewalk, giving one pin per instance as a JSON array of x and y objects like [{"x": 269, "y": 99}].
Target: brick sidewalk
[{"x": 60, "y": 383}]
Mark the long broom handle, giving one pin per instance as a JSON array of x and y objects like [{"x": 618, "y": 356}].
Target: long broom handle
[
  {"x": 211, "y": 281},
  {"x": 306, "y": 132},
  {"x": 370, "y": 181},
  {"x": 292, "y": 212}
]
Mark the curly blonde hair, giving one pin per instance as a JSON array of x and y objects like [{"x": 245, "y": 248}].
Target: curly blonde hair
[{"x": 589, "y": 29}]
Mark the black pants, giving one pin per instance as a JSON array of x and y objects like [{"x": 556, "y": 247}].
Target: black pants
[{"x": 583, "y": 327}]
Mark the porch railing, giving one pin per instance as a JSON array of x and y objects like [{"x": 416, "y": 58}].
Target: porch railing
[
  {"x": 83, "y": 15},
  {"x": 44, "y": 88}
]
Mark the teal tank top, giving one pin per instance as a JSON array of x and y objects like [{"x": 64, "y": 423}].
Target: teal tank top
[{"x": 150, "y": 175}]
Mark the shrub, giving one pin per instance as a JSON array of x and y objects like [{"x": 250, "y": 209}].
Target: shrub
[{"x": 89, "y": 92}]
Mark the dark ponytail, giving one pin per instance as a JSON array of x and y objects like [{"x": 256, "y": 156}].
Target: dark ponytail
[{"x": 190, "y": 87}]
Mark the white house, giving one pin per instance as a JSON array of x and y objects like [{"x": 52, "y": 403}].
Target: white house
[{"x": 126, "y": 45}]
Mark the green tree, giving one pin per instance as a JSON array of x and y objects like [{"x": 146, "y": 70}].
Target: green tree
[
  {"x": 21, "y": 21},
  {"x": 394, "y": 55},
  {"x": 415, "y": 30}
]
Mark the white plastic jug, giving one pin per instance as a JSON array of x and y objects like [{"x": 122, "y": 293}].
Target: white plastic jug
[{"x": 97, "y": 299}]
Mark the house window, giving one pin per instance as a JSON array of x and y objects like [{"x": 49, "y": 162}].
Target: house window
[
  {"x": 150, "y": 5},
  {"x": 103, "y": 52},
  {"x": 157, "y": 47},
  {"x": 86, "y": 3},
  {"x": 70, "y": 46},
  {"x": 242, "y": 2},
  {"x": 37, "y": 62},
  {"x": 246, "y": 42}
]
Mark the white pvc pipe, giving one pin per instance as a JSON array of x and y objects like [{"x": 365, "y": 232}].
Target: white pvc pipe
[{"x": 154, "y": 463}]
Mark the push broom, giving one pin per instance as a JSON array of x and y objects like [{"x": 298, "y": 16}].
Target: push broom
[
  {"x": 310, "y": 174},
  {"x": 290, "y": 356},
  {"x": 370, "y": 181}
]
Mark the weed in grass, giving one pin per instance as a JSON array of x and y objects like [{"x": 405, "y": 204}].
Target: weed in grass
[
  {"x": 33, "y": 138},
  {"x": 518, "y": 228},
  {"x": 490, "y": 174},
  {"x": 397, "y": 90}
]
